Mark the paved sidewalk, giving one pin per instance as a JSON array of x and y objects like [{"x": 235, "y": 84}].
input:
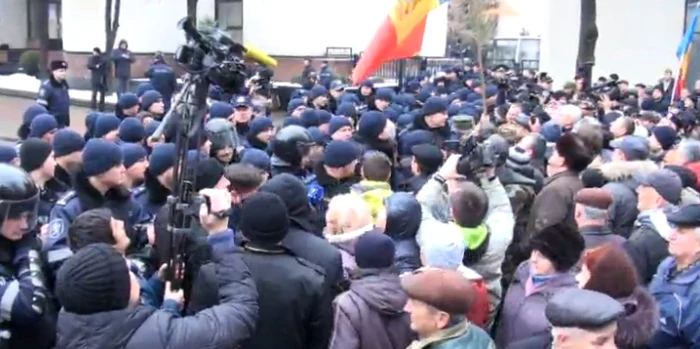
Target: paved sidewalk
[{"x": 12, "y": 108}]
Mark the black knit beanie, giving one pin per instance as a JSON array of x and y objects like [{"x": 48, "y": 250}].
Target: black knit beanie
[
  {"x": 264, "y": 219},
  {"x": 33, "y": 152},
  {"x": 209, "y": 172},
  {"x": 95, "y": 279}
]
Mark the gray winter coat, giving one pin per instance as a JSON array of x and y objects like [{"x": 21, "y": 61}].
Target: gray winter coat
[
  {"x": 523, "y": 315},
  {"x": 623, "y": 187},
  {"x": 370, "y": 315},
  {"x": 221, "y": 326},
  {"x": 499, "y": 220}
]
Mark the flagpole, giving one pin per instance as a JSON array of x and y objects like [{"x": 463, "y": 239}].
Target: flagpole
[{"x": 676, "y": 81}]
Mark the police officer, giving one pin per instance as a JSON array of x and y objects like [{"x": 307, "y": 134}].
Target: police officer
[
  {"x": 100, "y": 183},
  {"x": 26, "y": 312},
  {"x": 53, "y": 94},
  {"x": 162, "y": 77},
  {"x": 158, "y": 183},
  {"x": 290, "y": 150},
  {"x": 225, "y": 144},
  {"x": 36, "y": 157}
]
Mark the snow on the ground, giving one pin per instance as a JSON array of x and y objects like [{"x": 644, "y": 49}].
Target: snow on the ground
[{"x": 26, "y": 83}]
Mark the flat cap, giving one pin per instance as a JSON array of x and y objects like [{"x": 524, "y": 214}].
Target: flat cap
[
  {"x": 584, "y": 309},
  {"x": 594, "y": 197},
  {"x": 634, "y": 147},
  {"x": 686, "y": 216},
  {"x": 666, "y": 182},
  {"x": 446, "y": 290}
]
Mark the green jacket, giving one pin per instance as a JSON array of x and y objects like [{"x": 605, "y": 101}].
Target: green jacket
[{"x": 461, "y": 336}]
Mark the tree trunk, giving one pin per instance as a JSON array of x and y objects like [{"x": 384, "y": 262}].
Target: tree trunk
[
  {"x": 192, "y": 10},
  {"x": 112, "y": 11},
  {"x": 588, "y": 36},
  {"x": 40, "y": 32}
]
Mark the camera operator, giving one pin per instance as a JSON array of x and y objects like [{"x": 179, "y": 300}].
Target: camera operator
[
  {"x": 27, "y": 315},
  {"x": 100, "y": 297},
  {"x": 479, "y": 214}
]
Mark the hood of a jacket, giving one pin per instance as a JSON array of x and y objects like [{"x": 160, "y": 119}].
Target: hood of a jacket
[
  {"x": 639, "y": 322},
  {"x": 346, "y": 241},
  {"x": 619, "y": 171},
  {"x": 509, "y": 176},
  {"x": 106, "y": 330},
  {"x": 294, "y": 194},
  {"x": 382, "y": 291},
  {"x": 403, "y": 216},
  {"x": 656, "y": 220}
]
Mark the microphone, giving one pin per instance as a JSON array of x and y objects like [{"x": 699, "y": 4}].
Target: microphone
[{"x": 259, "y": 56}]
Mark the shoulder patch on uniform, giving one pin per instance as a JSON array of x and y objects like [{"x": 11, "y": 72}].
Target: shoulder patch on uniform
[
  {"x": 313, "y": 266},
  {"x": 65, "y": 198},
  {"x": 57, "y": 228},
  {"x": 138, "y": 190}
]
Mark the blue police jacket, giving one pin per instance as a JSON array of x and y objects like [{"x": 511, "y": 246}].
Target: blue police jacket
[
  {"x": 73, "y": 203},
  {"x": 163, "y": 79},
  {"x": 53, "y": 95},
  {"x": 143, "y": 197},
  {"x": 677, "y": 295}
]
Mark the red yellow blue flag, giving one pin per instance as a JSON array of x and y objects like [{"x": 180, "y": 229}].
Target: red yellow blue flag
[
  {"x": 400, "y": 36},
  {"x": 684, "y": 53}
]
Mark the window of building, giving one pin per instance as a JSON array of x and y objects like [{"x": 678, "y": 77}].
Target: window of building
[
  {"x": 44, "y": 16},
  {"x": 229, "y": 15},
  {"x": 54, "y": 20}
]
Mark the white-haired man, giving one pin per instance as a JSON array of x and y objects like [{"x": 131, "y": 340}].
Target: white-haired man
[{"x": 348, "y": 217}]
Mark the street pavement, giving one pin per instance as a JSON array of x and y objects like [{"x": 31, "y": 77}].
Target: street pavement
[{"x": 12, "y": 109}]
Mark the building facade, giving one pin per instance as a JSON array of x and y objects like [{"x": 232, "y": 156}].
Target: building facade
[
  {"x": 637, "y": 38},
  {"x": 287, "y": 30}
]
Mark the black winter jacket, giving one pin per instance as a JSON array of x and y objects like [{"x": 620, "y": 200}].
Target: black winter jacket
[
  {"x": 222, "y": 326},
  {"x": 295, "y": 305}
]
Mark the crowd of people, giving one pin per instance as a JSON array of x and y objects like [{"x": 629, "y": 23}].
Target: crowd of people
[{"x": 448, "y": 213}]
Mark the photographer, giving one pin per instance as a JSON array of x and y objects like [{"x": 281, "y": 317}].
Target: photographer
[
  {"x": 100, "y": 297},
  {"x": 481, "y": 215}
]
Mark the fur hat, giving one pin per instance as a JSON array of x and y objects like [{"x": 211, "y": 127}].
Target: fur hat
[
  {"x": 611, "y": 270},
  {"x": 571, "y": 147},
  {"x": 561, "y": 244}
]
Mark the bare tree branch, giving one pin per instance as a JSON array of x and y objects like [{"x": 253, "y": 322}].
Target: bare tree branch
[{"x": 474, "y": 21}]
